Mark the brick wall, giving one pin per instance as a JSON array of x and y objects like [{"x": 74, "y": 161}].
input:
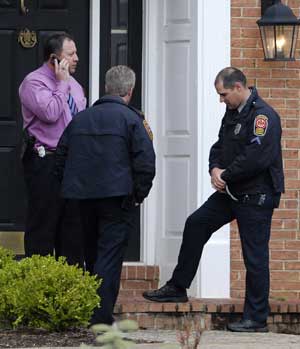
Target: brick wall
[{"x": 279, "y": 84}]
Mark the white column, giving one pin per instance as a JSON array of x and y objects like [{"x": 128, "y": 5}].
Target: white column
[
  {"x": 152, "y": 113},
  {"x": 213, "y": 277},
  {"x": 94, "y": 62}
]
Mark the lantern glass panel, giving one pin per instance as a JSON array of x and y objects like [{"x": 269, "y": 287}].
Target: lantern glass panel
[
  {"x": 268, "y": 40},
  {"x": 284, "y": 40}
]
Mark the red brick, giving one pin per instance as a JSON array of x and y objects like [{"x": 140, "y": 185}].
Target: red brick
[
  {"x": 145, "y": 321},
  {"x": 292, "y": 265},
  {"x": 198, "y": 306},
  {"x": 252, "y": 12},
  {"x": 285, "y": 73},
  {"x": 236, "y": 12},
  {"x": 285, "y": 276},
  {"x": 243, "y": 62},
  {"x": 155, "y": 307},
  {"x": 141, "y": 272},
  {"x": 170, "y": 307},
  {"x": 279, "y": 285},
  {"x": 284, "y": 255},
  {"x": 211, "y": 308},
  {"x": 279, "y": 83},
  {"x": 292, "y": 245},
  {"x": 276, "y": 265},
  {"x": 129, "y": 308},
  {"x": 183, "y": 307},
  {"x": 126, "y": 293},
  {"x": 236, "y": 255},
  {"x": 284, "y": 93},
  {"x": 290, "y": 154},
  {"x": 150, "y": 273},
  {"x": 236, "y": 53},
  {"x": 290, "y": 224},
  {"x": 243, "y": 22},
  {"x": 276, "y": 245},
  {"x": 243, "y": 3},
  {"x": 293, "y": 83},
  {"x": 131, "y": 272},
  {"x": 135, "y": 285},
  {"x": 142, "y": 307},
  {"x": 293, "y": 214},
  {"x": 291, "y": 203}
]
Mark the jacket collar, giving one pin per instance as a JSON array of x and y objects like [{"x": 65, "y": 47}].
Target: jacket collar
[
  {"x": 250, "y": 102},
  {"x": 111, "y": 99}
]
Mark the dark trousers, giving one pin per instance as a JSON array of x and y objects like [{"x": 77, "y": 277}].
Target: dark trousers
[
  {"x": 254, "y": 222},
  {"x": 52, "y": 223},
  {"x": 106, "y": 227}
]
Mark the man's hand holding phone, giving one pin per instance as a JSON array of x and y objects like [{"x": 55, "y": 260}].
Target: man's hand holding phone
[{"x": 61, "y": 68}]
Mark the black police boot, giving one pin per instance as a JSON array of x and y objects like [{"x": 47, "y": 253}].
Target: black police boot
[
  {"x": 247, "y": 326},
  {"x": 167, "y": 293}
]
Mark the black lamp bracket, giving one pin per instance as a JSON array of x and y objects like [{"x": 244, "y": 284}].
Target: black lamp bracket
[{"x": 265, "y": 4}]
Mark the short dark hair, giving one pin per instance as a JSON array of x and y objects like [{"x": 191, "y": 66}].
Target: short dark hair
[
  {"x": 54, "y": 44},
  {"x": 229, "y": 76}
]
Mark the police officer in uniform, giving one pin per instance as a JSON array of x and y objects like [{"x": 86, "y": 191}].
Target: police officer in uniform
[
  {"x": 246, "y": 170},
  {"x": 109, "y": 164}
]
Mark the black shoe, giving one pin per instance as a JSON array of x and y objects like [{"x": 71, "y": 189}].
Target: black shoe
[
  {"x": 167, "y": 293},
  {"x": 248, "y": 326}
]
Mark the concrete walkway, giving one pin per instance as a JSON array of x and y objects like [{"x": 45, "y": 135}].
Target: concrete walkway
[{"x": 218, "y": 340}]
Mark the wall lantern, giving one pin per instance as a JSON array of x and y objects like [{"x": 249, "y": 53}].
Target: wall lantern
[{"x": 279, "y": 31}]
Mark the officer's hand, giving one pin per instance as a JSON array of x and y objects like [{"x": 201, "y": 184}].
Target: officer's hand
[
  {"x": 216, "y": 180},
  {"x": 62, "y": 69}
]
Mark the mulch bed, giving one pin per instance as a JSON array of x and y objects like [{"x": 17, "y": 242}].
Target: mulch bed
[{"x": 30, "y": 338}]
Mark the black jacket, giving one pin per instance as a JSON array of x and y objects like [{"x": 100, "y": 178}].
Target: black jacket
[
  {"x": 106, "y": 151},
  {"x": 249, "y": 149}
]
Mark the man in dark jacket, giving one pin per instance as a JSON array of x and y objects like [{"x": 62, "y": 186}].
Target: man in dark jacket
[
  {"x": 246, "y": 170},
  {"x": 109, "y": 164}
]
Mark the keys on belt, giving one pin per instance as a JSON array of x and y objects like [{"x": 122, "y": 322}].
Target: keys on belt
[{"x": 258, "y": 199}]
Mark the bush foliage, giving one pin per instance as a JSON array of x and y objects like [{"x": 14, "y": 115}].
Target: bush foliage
[{"x": 42, "y": 292}]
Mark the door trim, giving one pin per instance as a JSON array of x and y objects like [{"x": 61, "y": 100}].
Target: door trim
[{"x": 94, "y": 71}]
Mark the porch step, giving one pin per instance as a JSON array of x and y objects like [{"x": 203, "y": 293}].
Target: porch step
[
  {"x": 208, "y": 314},
  {"x": 135, "y": 279}
]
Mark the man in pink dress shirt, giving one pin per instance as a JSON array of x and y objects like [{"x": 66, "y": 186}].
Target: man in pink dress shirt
[{"x": 50, "y": 97}]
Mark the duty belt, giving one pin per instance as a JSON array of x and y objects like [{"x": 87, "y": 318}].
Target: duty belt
[{"x": 258, "y": 199}]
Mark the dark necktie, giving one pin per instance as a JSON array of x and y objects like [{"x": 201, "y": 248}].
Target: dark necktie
[{"x": 72, "y": 105}]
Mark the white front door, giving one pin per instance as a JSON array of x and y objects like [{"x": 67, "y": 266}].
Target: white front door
[
  {"x": 184, "y": 48},
  {"x": 173, "y": 60}
]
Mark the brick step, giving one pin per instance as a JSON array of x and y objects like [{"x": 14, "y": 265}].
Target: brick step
[
  {"x": 209, "y": 314},
  {"x": 138, "y": 278}
]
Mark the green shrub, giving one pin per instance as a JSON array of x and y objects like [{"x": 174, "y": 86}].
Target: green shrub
[
  {"x": 6, "y": 256},
  {"x": 44, "y": 293}
]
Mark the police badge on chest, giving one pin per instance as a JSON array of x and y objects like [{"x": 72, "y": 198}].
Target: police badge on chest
[{"x": 237, "y": 129}]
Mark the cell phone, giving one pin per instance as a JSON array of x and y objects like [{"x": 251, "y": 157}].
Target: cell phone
[{"x": 53, "y": 57}]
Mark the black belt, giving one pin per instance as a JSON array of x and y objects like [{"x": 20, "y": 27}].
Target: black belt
[{"x": 258, "y": 199}]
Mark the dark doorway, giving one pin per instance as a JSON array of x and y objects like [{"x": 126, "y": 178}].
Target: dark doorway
[
  {"x": 40, "y": 18},
  {"x": 121, "y": 43}
]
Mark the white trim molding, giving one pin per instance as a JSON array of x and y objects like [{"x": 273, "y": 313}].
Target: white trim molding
[
  {"x": 94, "y": 61},
  {"x": 214, "y": 54},
  {"x": 150, "y": 106}
]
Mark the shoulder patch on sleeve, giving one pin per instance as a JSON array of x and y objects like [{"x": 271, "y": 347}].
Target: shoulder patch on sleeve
[
  {"x": 260, "y": 125},
  {"x": 148, "y": 129}
]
